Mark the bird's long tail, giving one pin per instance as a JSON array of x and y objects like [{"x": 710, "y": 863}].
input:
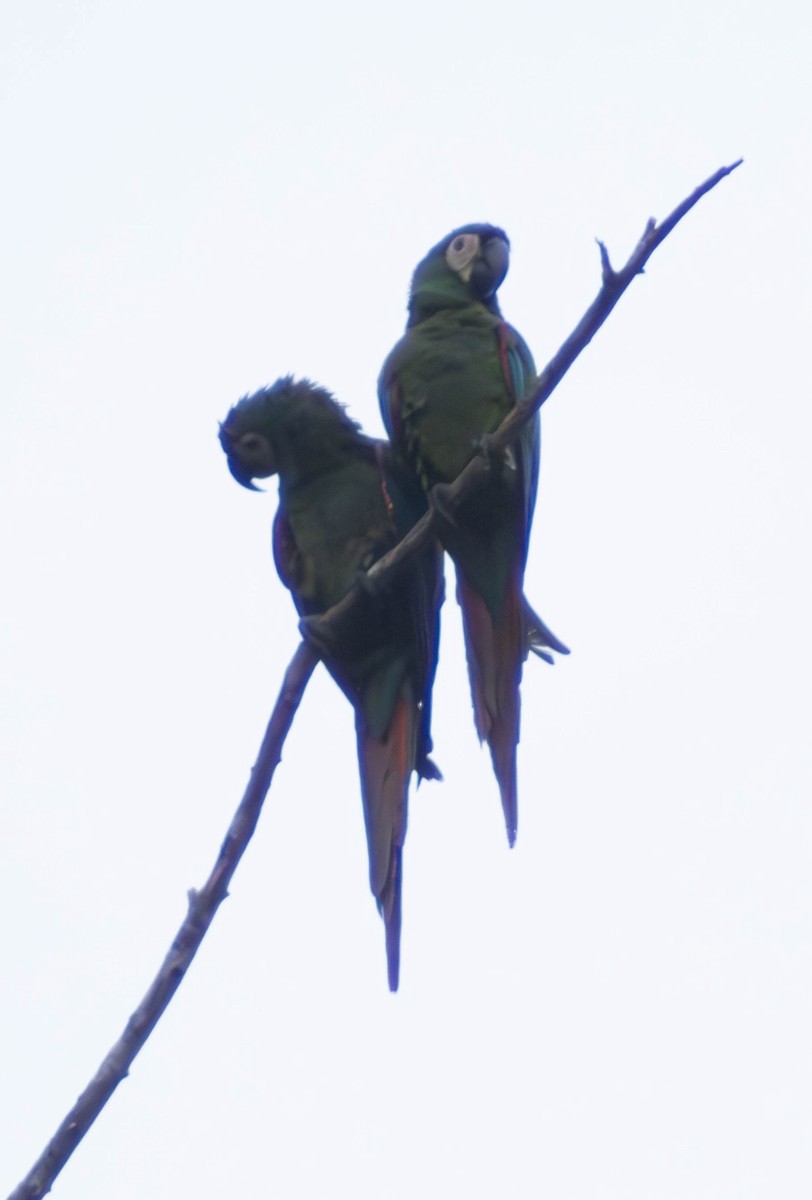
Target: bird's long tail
[
  {"x": 495, "y": 653},
  {"x": 386, "y": 765}
]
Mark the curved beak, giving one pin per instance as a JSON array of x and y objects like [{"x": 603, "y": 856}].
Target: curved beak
[
  {"x": 236, "y": 468},
  {"x": 241, "y": 475},
  {"x": 492, "y": 266}
]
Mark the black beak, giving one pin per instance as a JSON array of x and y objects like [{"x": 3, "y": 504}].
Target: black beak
[
  {"x": 240, "y": 475},
  {"x": 492, "y": 267},
  {"x": 238, "y": 472}
]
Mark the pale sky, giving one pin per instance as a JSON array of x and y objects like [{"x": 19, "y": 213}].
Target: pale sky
[{"x": 200, "y": 198}]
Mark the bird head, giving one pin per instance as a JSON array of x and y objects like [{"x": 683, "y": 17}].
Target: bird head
[
  {"x": 468, "y": 265},
  {"x": 247, "y": 437},
  {"x": 250, "y": 455},
  {"x": 292, "y": 428}
]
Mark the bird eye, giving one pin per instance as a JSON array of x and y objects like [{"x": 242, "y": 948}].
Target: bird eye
[
  {"x": 255, "y": 454},
  {"x": 462, "y": 251}
]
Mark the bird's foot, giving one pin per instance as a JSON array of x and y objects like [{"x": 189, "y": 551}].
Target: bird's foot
[
  {"x": 317, "y": 635},
  {"x": 495, "y": 459},
  {"x": 369, "y": 584},
  {"x": 484, "y": 447},
  {"x": 540, "y": 639},
  {"x": 440, "y": 500},
  {"x": 428, "y": 769},
  {"x": 535, "y": 648}
]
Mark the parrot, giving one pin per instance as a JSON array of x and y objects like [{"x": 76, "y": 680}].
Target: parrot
[
  {"x": 446, "y": 385},
  {"x": 344, "y": 500}
]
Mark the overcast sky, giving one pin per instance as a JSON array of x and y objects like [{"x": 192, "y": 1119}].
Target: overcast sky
[{"x": 199, "y": 198}]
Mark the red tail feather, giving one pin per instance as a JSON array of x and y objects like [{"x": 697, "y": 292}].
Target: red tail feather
[
  {"x": 385, "y": 767},
  {"x": 495, "y": 653}
]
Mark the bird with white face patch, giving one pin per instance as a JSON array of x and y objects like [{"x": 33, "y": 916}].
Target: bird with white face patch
[{"x": 456, "y": 373}]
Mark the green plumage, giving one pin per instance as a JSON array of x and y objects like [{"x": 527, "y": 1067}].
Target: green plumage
[
  {"x": 449, "y": 376},
  {"x": 451, "y": 379},
  {"x": 344, "y": 500}
]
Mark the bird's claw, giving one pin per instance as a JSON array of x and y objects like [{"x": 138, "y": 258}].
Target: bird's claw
[
  {"x": 484, "y": 447},
  {"x": 536, "y": 649},
  {"x": 541, "y": 639},
  {"x": 440, "y": 501},
  {"x": 495, "y": 459},
  {"x": 368, "y": 584},
  {"x": 428, "y": 769},
  {"x": 314, "y": 633}
]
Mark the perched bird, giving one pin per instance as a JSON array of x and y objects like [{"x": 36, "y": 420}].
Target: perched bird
[
  {"x": 344, "y": 500},
  {"x": 448, "y": 383}
]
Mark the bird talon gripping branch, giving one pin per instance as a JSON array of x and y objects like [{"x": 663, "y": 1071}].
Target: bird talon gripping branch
[
  {"x": 440, "y": 500},
  {"x": 369, "y": 584},
  {"x": 484, "y": 448},
  {"x": 314, "y": 633}
]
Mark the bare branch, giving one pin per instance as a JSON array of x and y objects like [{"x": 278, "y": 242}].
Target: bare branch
[
  {"x": 202, "y": 907},
  {"x": 204, "y": 904}
]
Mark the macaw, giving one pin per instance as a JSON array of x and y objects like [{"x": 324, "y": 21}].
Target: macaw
[
  {"x": 344, "y": 500},
  {"x": 448, "y": 383}
]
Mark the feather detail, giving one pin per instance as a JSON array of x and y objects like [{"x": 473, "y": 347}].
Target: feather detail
[
  {"x": 386, "y": 765},
  {"x": 495, "y": 651}
]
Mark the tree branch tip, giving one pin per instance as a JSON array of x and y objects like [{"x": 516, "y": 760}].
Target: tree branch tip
[{"x": 608, "y": 272}]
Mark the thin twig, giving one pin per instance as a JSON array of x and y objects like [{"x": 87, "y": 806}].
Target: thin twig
[{"x": 204, "y": 904}]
